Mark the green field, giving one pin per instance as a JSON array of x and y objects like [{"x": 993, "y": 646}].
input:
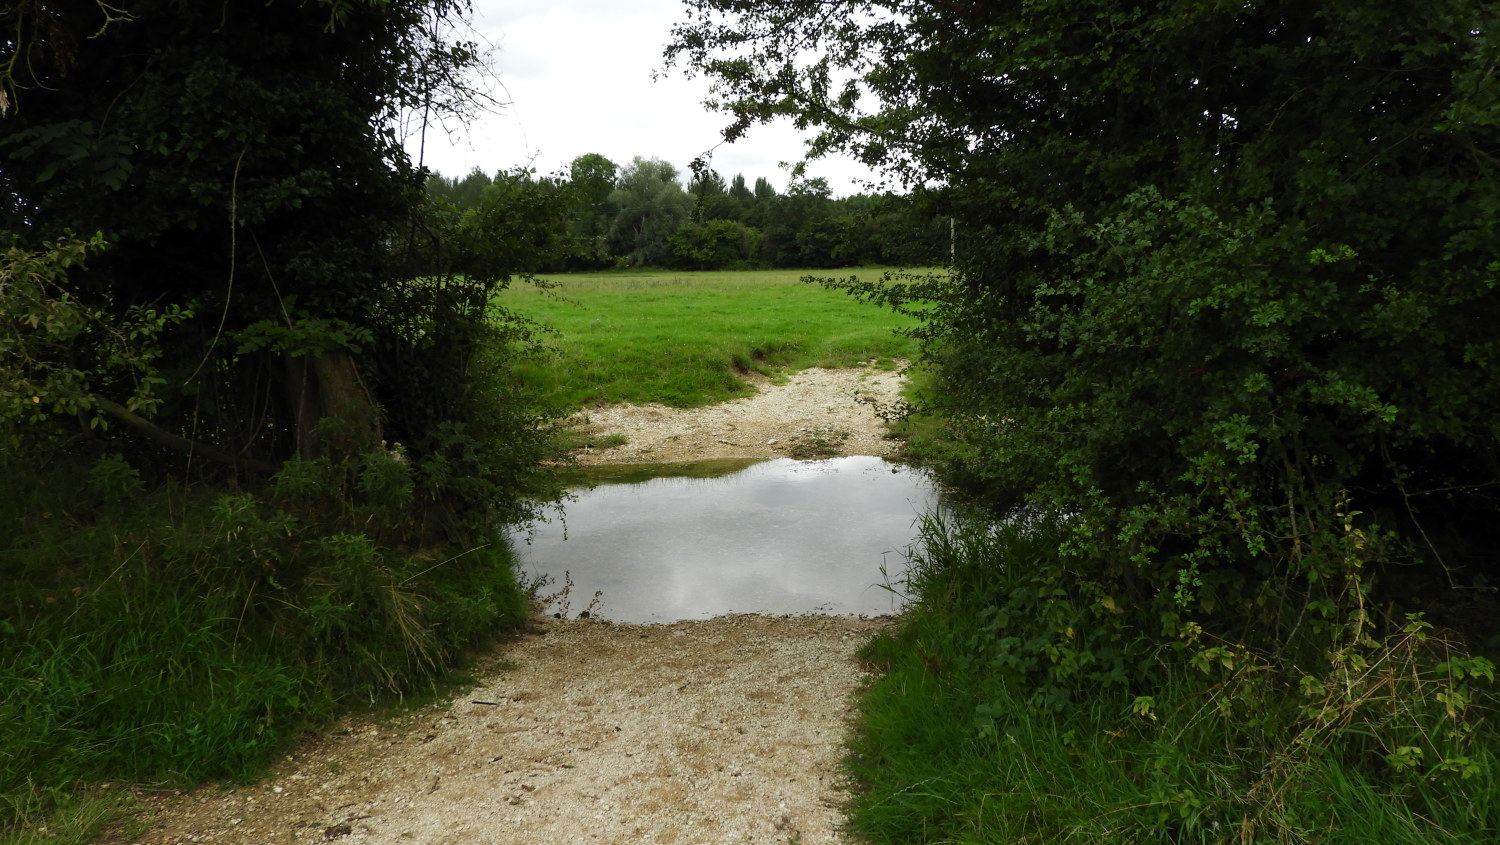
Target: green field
[{"x": 686, "y": 338}]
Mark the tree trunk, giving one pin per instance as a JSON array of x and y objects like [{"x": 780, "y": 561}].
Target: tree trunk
[{"x": 333, "y": 411}]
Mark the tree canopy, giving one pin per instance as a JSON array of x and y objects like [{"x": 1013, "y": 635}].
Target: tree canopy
[
  {"x": 257, "y": 408},
  {"x": 651, "y": 205},
  {"x": 615, "y": 218}
]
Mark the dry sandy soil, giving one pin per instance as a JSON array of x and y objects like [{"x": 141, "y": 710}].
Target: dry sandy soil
[
  {"x": 728, "y": 730},
  {"x": 813, "y": 413}
]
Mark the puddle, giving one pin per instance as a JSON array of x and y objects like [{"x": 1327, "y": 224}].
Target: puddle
[{"x": 779, "y": 536}]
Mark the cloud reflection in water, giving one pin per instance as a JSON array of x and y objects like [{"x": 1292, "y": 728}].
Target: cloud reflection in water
[{"x": 782, "y": 536}]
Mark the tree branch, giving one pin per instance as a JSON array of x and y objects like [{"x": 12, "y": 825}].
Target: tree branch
[{"x": 181, "y": 445}]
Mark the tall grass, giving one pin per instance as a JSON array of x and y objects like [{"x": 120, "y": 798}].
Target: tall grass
[
  {"x": 164, "y": 635},
  {"x": 1000, "y": 716},
  {"x": 686, "y": 338}
]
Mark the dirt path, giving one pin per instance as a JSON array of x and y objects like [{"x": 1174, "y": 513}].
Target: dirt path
[
  {"x": 721, "y": 731},
  {"x": 728, "y": 730},
  {"x": 814, "y": 413}
]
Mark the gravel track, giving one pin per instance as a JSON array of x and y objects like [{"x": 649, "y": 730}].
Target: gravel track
[{"x": 727, "y": 730}]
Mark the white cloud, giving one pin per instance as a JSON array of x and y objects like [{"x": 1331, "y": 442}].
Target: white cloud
[{"x": 578, "y": 75}]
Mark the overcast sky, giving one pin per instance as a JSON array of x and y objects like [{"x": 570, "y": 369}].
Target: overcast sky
[{"x": 578, "y": 78}]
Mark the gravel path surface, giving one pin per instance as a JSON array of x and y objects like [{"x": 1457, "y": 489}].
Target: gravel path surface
[
  {"x": 728, "y": 730},
  {"x": 813, "y": 413}
]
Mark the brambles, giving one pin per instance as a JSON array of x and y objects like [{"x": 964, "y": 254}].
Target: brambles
[{"x": 1017, "y": 703}]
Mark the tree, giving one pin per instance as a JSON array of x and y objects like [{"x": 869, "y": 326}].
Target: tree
[
  {"x": 714, "y": 245},
  {"x": 592, "y": 181},
  {"x": 711, "y": 198},
  {"x": 1229, "y": 276},
  {"x": 279, "y": 210},
  {"x": 652, "y": 204},
  {"x": 758, "y": 207},
  {"x": 740, "y": 191},
  {"x": 891, "y": 230},
  {"x": 258, "y": 371},
  {"x": 798, "y": 226},
  {"x": 464, "y": 192}
]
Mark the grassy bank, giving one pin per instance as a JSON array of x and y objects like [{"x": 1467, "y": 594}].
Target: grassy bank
[
  {"x": 1011, "y": 708},
  {"x": 169, "y": 636},
  {"x": 685, "y": 338}
]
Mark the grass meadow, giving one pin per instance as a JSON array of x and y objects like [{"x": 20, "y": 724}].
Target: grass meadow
[{"x": 685, "y": 339}]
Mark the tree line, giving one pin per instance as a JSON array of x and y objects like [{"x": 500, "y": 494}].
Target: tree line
[{"x": 643, "y": 214}]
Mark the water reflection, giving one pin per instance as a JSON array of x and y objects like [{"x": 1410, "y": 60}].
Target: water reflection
[{"x": 781, "y": 536}]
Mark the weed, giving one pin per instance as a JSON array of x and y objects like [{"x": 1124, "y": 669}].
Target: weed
[
  {"x": 75, "y": 818},
  {"x": 603, "y": 441}
]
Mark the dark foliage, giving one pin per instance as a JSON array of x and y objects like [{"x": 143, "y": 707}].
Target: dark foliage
[
  {"x": 1226, "y": 285},
  {"x": 262, "y": 427},
  {"x": 242, "y": 160}
]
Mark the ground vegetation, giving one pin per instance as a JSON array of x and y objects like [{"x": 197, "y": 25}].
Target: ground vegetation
[{"x": 689, "y": 339}]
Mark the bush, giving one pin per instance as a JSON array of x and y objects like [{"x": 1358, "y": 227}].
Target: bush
[
  {"x": 1222, "y": 302},
  {"x": 1224, "y": 279},
  {"x": 714, "y": 245}
]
